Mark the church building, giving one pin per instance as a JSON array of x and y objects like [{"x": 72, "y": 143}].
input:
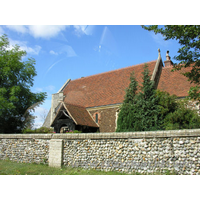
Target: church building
[{"x": 92, "y": 103}]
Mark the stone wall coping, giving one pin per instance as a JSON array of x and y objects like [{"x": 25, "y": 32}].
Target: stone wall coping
[
  {"x": 26, "y": 136},
  {"x": 125, "y": 135}
]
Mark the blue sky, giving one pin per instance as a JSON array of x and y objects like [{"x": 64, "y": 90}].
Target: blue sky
[{"x": 71, "y": 52}]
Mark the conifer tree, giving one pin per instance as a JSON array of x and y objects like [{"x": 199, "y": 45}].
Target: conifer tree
[
  {"x": 147, "y": 117},
  {"x": 128, "y": 110},
  {"x": 139, "y": 112}
]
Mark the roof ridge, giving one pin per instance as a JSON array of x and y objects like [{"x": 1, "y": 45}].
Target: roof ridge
[{"x": 114, "y": 70}]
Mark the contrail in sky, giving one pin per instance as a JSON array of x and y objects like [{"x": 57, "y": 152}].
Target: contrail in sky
[{"x": 54, "y": 65}]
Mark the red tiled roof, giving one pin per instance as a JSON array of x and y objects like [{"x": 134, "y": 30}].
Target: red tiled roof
[
  {"x": 174, "y": 82},
  {"x": 103, "y": 89},
  {"x": 109, "y": 88},
  {"x": 80, "y": 115}
]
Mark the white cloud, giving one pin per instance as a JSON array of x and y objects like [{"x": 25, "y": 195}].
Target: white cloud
[
  {"x": 53, "y": 52},
  {"x": 84, "y": 29},
  {"x": 45, "y": 31},
  {"x": 18, "y": 28},
  {"x": 30, "y": 50},
  {"x": 40, "y": 113},
  {"x": 23, "y": 45},
  {"x": 65, "y": 49},
  {"x": 37, "y": 31}
]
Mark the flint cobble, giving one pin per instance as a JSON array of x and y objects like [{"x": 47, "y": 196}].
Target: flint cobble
[
  {"x": 25, "y": 150},
  {"x": 181, "y": 155}
]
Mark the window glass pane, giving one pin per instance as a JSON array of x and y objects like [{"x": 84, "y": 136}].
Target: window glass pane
[{"x": 96, "y": 118}]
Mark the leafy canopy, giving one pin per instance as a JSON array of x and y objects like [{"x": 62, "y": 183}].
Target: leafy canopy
[
  {"x": 188, "y": 36},
  {"x": 16, "y": 78}
]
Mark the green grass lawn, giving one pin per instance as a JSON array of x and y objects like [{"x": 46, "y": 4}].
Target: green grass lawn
[{"x": 13, "y": 168}]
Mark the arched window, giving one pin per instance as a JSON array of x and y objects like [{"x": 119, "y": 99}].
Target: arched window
[
  {"x": 96, "y": 118},
  {"x": 116, "y": 117}
]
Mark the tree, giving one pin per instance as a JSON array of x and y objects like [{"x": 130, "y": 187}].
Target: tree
[
  {"x": 188, "y": 36},
  {"x": 147, "y": 117},
  {"x": 167, "y": 104},
  {"x": 16, "y": 79},
  {"x": 128, "y": 110},
  {"x": 139, "y": 112}
]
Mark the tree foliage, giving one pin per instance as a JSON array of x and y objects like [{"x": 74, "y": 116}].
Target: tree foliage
[
  {"x": 139, "y": 111},
  {"x": 182, "y": 118},
  {"x": 188, "y": 36},
  {"x": 16, "y": 78},
  {"x": 128, "y": 110},
  {"x": 147, "y": 105},
  {"x": 151, "y": 109}
]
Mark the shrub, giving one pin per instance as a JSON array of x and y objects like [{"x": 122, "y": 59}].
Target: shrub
[
  {"x": 75, "y": 131},
  {"x": 182, "y": 118},
  {"x": 39, "y": 130}
]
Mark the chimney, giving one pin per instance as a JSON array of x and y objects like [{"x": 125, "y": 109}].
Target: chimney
[{"x": 168, "y": 62}]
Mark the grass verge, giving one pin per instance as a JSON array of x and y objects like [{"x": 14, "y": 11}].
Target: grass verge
[{"x": 8, "y": 167}]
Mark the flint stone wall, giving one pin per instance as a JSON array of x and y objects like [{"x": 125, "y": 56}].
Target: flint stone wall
[
  {"x": 27, "y": 148},
  {"x": 143, "y": 152}
]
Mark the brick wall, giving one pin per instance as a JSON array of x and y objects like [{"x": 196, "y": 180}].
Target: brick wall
[{"x": 107, "y": 119}]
